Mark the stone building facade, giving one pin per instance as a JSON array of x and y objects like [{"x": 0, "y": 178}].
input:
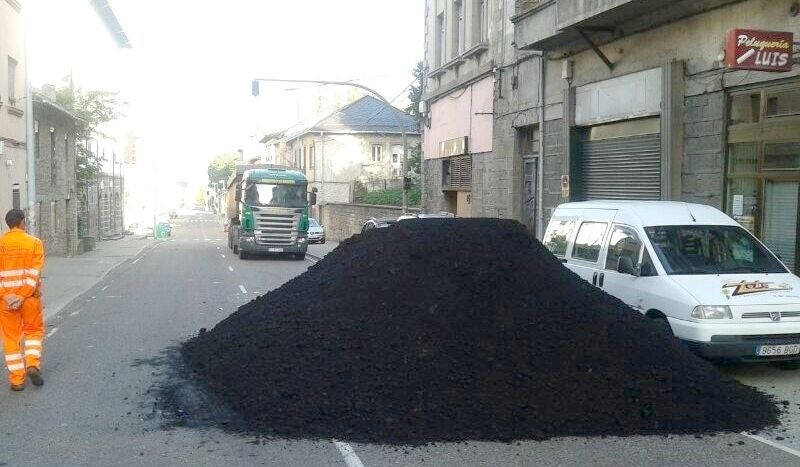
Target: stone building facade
[
  {"x": 54, "y": 153},
  {"x": 625, "y": 99}
]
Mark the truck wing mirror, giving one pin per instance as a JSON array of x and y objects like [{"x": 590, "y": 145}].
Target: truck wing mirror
[
  {"x": 312, "y": 198},
  {"x": 625, "y": 266},
  {"x": 238, "y": 194}
]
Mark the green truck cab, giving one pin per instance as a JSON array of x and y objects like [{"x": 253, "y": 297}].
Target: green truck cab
[{"x": 268, "y": 209}]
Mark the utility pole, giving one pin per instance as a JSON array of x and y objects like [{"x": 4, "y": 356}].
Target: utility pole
[{"x": 389, "y": 107}]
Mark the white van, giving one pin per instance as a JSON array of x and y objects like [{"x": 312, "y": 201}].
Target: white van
[{"x": 720, "y": 289}]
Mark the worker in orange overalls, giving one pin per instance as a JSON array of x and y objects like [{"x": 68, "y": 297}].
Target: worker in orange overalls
[{"x": 21, "y": 262}]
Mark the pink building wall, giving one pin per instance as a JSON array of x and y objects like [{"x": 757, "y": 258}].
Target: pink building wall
[{"x": 465, "y": 112}]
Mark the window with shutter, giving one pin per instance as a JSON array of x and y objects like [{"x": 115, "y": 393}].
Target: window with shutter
[{"x": 457, "y": 173}]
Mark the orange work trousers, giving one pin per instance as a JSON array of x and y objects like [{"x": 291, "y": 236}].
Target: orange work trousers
[{"x": 23, "y": 336}]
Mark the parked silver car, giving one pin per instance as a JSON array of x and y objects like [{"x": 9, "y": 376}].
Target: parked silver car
[{"x": 316, "y": 233}]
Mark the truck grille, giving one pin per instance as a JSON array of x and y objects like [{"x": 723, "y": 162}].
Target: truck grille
[
  {"x": 275, "y": 228},
  {"x": 765, "y": 315}
]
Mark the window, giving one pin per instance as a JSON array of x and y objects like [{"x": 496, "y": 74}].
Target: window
[
  {"x": 781, "y": 103},
  {"x": 396, "y": 152},
  {"x": 623, "y": 243},
  {"x": 313, "y": 157},
  {"x": 457, "y": 173},
  {"x": 305, "y": 155},
  {"x": 480, "y": 23},
  {"x": 441, "y": 33},
  {"x": 297, "y": 156},
  {"x": 36, "y": 149},
  {"x": 648, "y": 269},
  {"x": 12, "y": 81},
  {"x": 458, "y": 28},
  {"x": 52, "y": 217},
  {"x": 265, "y": 194},
  {"x": 589, "y": 241},
  {"x": 745, "y": 108},
  {"x": 782, "y": 156},
  {"x": 66, "y": 147},
  {"x": 53, "y": 162},
  {"x": 711, "y": 250},
  {"x": 377, "y": 152},
  {"x": 558, "y": 234}
]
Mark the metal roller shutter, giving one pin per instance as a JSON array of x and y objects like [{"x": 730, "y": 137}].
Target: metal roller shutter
[{"x": 627, "y": 167}]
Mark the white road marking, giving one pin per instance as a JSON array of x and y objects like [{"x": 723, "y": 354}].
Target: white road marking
[
  {"x": 52, "y": 331},
  {"x": 104, "y": 288},
  {"x": 783, "y": 448},
  {"x": 349, "y": 454},
  {"x": 230, "y": 268},
  {"x": 218, "y": 248},
  {"x": 222, "y": 255},
  {"x": 75, "y": 313},
  {"x": 196, "y": 239},
  {"x": 241, "y": 287},
  {"x": 137, "y": 260}
]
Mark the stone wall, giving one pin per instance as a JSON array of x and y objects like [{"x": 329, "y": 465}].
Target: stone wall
[
  {"x": 704, "y": 156},
  {"x": 342, "y": 221},
  {"x": 492, "y": 181}
]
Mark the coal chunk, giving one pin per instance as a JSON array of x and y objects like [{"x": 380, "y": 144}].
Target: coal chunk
[{"x": 459, "y": 329}]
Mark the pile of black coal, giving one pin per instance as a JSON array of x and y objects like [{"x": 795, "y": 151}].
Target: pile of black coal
[{"x": 449, "y": 329}]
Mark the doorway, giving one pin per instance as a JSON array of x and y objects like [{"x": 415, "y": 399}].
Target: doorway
[{"x": 530, "y": 170}]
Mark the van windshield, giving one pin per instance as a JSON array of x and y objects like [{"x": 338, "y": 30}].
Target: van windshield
[{"x": 711, "y": 249}]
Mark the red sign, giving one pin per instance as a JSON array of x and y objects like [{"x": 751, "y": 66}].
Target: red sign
[{"x": 759, "y": 50}]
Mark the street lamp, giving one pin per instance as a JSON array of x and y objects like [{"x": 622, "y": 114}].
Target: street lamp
[{"x": 257, "y": 92}]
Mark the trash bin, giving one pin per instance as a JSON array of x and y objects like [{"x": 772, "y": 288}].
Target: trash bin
[{"x": 162, "y": 230}]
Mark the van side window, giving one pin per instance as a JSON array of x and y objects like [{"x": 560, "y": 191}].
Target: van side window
[
  {"x": 558, "y": 234},
  {"x": 623, "y": 243},
  {"x": 589, "y": 241}
]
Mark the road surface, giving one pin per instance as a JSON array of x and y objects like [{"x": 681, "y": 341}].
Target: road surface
[{"x": 106, "y": 353}]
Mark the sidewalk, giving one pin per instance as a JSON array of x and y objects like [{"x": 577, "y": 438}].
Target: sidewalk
[
  {"x": 318, "y": 251},
  {"x": 65, "y": 279}
]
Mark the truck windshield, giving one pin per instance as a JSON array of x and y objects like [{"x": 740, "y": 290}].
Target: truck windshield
[
  {"x": 711, "y": 250},
  {"x": 265, "y": 194}
]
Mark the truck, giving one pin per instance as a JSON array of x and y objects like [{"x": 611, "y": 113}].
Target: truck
[{"x": 267, "y": 211}]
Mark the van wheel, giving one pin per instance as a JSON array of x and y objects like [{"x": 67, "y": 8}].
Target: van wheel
[
  {"x": 662, "y": 323},
  {"x": 788, "y": 365}
]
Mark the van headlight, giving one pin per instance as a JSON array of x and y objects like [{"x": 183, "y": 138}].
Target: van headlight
[{"x": 712, "y": 312}]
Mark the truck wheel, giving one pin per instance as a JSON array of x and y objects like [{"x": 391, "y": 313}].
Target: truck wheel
[
  {"x": 788, "y": 365},
  {"x": 243, "y": 255},
  {"x": 300, "y": 256}
]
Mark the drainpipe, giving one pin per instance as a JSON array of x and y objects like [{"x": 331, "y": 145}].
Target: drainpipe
[
  {"x": 32, "y": 221},
  {"x": 540, "y": 165}
]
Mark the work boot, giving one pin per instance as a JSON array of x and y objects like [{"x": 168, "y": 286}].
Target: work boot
[
  {"x": 35, "y": 376},
  {"x": 18, "y": 387}
]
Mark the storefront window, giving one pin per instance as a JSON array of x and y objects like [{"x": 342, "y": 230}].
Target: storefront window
[
  {"x": 743, "y": 202},
  {"x": 745, "y": 108},
  {"x": 743, "y": 158},
  {"x": 782, "y": 103},
  {"x": 781, "y": 156}
]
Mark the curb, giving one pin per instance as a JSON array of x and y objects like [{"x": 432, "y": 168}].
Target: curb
[
  {"x": 313, "y": 258},
  {"x": 81, "y": 293}
]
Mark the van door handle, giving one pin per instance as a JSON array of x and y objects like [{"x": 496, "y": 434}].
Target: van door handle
[
  {"x": 594, "y": 279},
  {"x": 602, "y": 277}
]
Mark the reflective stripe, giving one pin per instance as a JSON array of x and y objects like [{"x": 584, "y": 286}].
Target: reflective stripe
[
  {"x": 15, "y": 367},
  {"x": 13, "y": 356},
  {"x": 34, "y": 352},
  {"x": 12, "y": 273},
  {"x": 33, "y": 342},
  {"x": 33, "y": 272},
  {"x": 11, "y": 284},
  {"x": 31, "y": 282}
]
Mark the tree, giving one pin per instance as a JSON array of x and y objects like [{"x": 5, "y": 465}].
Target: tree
[
  {"x": 221, "y": 168},
  {"x": 415, "y": 92}
]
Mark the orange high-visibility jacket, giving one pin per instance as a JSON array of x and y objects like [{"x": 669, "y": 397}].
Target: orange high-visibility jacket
[{"x": 21, "y": 263}]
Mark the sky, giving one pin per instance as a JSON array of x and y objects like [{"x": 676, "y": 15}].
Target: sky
[{"x": 187, "y": 79}]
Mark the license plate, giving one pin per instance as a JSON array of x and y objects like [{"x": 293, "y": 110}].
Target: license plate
[
  {"x": 276, "y": 250},
  {"x": 773, "y": 350}
]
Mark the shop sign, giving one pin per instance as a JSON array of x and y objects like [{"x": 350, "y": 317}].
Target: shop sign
[
  {"x": 453, "y": 147},
  {"x": 565, "y": 186},
  {"x": 748, "y": 49}
]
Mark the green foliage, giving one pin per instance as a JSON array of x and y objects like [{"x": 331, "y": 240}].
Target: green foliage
[
  {"x": 221, "y": 168},
  {"x": 416, "y": 90},
  {"x": 414, "y": 160},
  {"x": 390, "y": 197}
]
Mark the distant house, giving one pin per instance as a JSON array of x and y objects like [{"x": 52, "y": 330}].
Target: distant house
[
  {"x": 359, "y": 143},
  {"x": 56, "y": 191}
]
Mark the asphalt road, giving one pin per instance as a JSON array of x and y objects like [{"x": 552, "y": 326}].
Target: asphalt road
[{"x": 107, "y": 351}]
